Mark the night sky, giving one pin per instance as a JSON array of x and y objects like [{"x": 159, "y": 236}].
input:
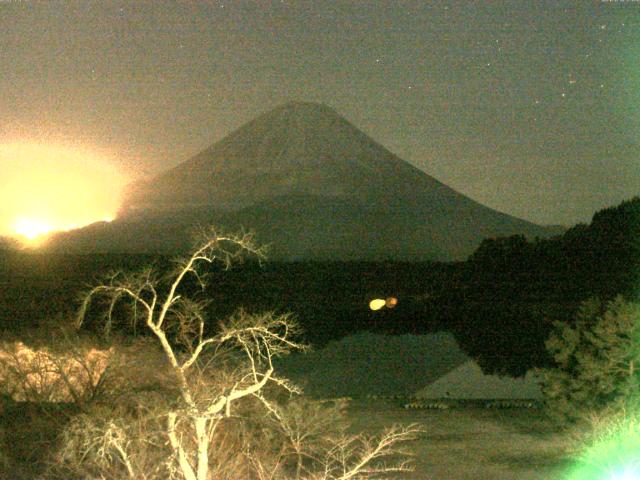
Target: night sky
[{"x": 530, "y": 107}]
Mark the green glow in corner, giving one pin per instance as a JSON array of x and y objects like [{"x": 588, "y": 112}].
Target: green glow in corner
[
  {"x": 615, "y": 456},
  {"x": 626, "y": 474}
]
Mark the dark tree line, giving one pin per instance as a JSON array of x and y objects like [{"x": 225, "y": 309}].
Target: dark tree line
[
  {"x": 500, "y": 304},
  {"x": 515, "y": 288}
]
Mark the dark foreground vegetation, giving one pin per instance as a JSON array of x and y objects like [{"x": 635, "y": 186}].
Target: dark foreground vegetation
[{"x": 502, "y": 304}]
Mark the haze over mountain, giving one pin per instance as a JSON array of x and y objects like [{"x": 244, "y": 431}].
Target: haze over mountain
[{"x": 310, "y": 184}]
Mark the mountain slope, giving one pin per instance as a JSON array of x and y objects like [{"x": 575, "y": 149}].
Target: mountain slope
[
  {"x": 295, "y": 148},
  {"x": 310, "y": 183}
]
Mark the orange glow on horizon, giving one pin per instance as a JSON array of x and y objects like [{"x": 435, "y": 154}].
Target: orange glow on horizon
[
  {"x": 31, "y": 229},
  {"x": 45, "y": 188}
]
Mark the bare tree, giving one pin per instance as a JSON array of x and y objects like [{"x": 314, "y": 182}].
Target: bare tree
[
  {"x": 259, "y": 338},
  {"x": 240, "y": 355}
]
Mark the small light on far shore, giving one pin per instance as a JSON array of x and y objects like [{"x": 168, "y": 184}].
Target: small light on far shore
[{"x": 378, "y": 303}]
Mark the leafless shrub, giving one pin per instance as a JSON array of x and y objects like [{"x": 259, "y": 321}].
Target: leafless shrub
[
  {"x": 315, "y": 445},
  {"x": 358, "y": 456},
  {"x": 108, "y": 443},
  {"x": 41, "y": 375}
]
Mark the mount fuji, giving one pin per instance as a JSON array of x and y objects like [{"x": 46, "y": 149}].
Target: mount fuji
[{"x": 311, "y": 185}]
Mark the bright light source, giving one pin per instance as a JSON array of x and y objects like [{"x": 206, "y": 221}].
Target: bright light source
[
  {"x": 377, "y": 303},
  {"x": 614, "y": 455},
  {"x": 31, "y": 228},
  {"x": 46, "y": 188},
  {"x": 628, "y": 473}
]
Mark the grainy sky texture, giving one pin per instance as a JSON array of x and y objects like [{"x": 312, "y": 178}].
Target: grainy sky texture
[{"x": 530, "y": 107}]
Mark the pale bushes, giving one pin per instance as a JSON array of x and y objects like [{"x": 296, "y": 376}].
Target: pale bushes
[
  {"x": 361, "y": 457},
  {"x": 113, "y": 442},
  {"x": 318, "y": 446},
  {"x": 132, "y": 443},
  {"x": 298, "y": 434},
  {"x": 302, "y": 439},
  {"x": 54, "y": 364},
  {"x": 38, "y": 374},
  {"x": 50, "y": 380},
  {"x": 79, "y": 370},
  {"x": 96, "y": 445},
  {"x": 308, "y": 429}
]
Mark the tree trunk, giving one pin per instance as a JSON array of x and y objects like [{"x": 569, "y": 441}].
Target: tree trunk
[
  {"x": 185, "y": 467},
  {"x": 203, "y": 447}
]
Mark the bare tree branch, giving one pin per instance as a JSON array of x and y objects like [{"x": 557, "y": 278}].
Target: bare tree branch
[{"x": 241, "y": 354}]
